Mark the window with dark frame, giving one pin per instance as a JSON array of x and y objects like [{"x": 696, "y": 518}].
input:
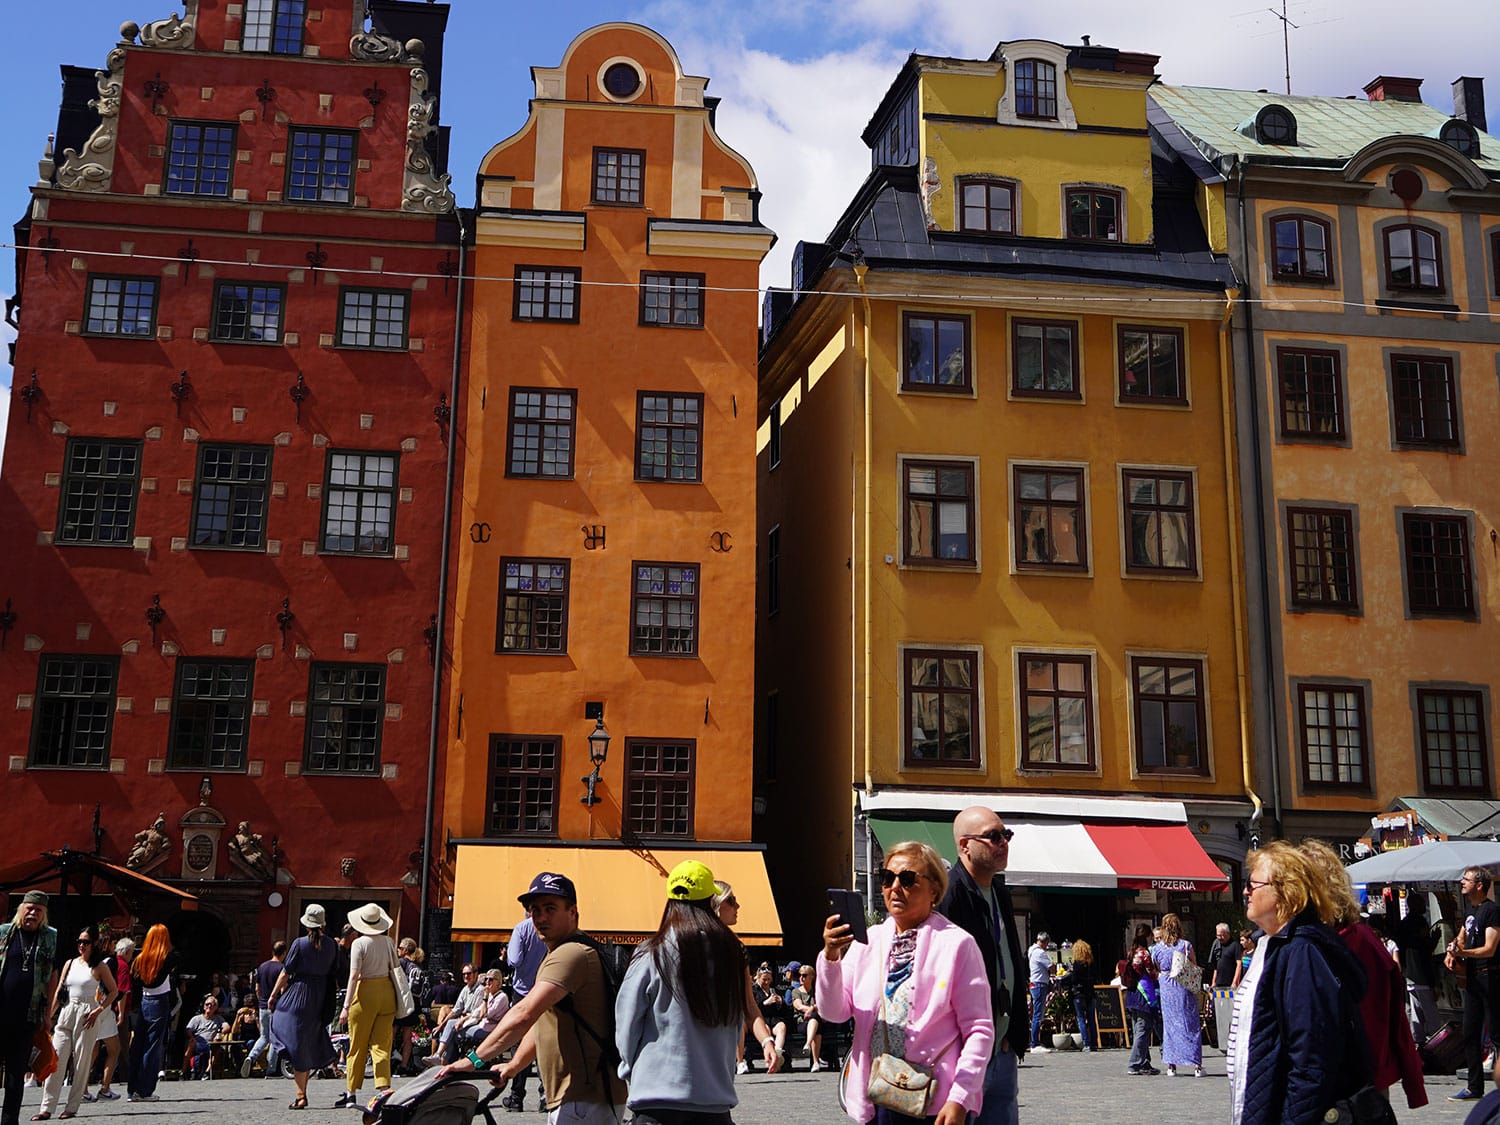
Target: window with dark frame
[
  {"x": 200, "y": 159},
  {"x": 373, "y": 318},
  {"x": 230, "y": 496},
  {"x": 359, "y": 503},
  {"x": 1312, "y": 393},
  {"x": 664, "y": 609},
  {"x": 773, "y": 438},
  {"x": 546, "y": 293},
  {"x": 1332, "y": 732},
  {"x": 542, "y": 433},
  {"x": 1424, "y": 400},
  {"x": 1321, "y": 542},
  {"x": 1413, "y": 258},
  {"x": 942, "y": 707},
  {"x": 1093, "y": 214},
  {"x": 100, "y": 482},
  {"x": 936, "y": 356},
  {"x": 246, "y": 313},
  {"x": 659, "y": 778},
  {"x": 1300, "y": 248},
  {"x": 938, "y": 504},
  {"x": 672, "y": 300},
  {"x": 523, "y": 785},
  {"x": 1056, "y": 700},
  {"x": 1455, "y": 747},
  {"x": 345, "y": 718},
  {"x": 1275, "y": 125},
  {"x": 1170, "y": 727},
  {"x": 986, "y": 206},
  {"x": 1159, "y": 522},
  {"x": 1036, "y": 89},
  {"x": 773, "y": 571},
  {"x": 1439, "y": 569},
  {"x": 210, "y": 714},
  {"x": 1495, "y": 261},
  {"x": 533, "y": 606},
  {"x": 320, "y": 166},
  {"x": 1044, "y": 359},
  {"x": 1151, "y": 365},
  {"x": 73, "y": 714},
  {"x": 120, "y": 306},
  {"x": 619, "y": 175},
  {"x": 1049, "y": 518},
  {"x": 275, "y": 26},
  {"x": 669, "y": 437}
]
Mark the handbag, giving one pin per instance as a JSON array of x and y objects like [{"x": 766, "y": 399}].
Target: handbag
[
  {"x": 1363, "y": 1107},
  {"x": 899, "y": 1085},
  {"x": 405, "y": 1005},
  {"x": 43, "y": 1059},
  {"x": 1185, "y": 973}
]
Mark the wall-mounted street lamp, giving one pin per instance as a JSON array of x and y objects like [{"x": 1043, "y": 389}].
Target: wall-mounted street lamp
[{"x": 598, "y": 751}]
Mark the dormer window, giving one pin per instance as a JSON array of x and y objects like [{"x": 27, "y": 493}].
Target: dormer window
[
  {"x": 1275, "y": 125},
  {"x": 986, "y": 206},
  {"x": 1036, "y": 89},
  {"x": 1093, "y": 214},
  {"x": 1461, "y": 138}
]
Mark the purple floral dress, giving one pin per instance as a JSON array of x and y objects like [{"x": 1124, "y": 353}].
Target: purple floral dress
[{"x": 1182, "y": 1033}]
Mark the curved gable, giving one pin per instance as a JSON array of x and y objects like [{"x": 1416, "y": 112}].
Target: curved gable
[{"x": 1423, "y": 151}]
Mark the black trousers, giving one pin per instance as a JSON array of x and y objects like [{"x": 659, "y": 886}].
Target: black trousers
[
  {"x": 15, "y": 1055},
  {"x": 1481, "y": 1008}
]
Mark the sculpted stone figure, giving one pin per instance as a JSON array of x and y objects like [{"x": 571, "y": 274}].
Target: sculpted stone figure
[
  {"x": 150, "y": 843},
  {"x": 250, "y": 849}
]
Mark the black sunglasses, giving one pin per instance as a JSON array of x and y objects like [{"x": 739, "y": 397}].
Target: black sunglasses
[
  {"x": 994, "y": 835},
  {"x": 908, "y": 878}
]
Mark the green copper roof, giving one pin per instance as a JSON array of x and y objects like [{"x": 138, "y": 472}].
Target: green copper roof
[{"x": 1329, "y": 130}]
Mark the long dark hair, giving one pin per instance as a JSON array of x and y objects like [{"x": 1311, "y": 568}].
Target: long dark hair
[
  {"x": 701, "y": 961},
  {"x": 1142, "y": 936}
]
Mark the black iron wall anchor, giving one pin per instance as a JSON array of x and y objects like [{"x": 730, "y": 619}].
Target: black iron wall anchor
[
  {"x": 155, "y": 89},
  {"x": 154, "y": 616},
  {"x": 181, "y": 389},
  {"x": 299, "y": 392},
  {"x": 188, "y": 255},
  {"x": 285, "y": 618},
  {"x": 375, "y": 95},
  {"x": 429, "y": 635},
  {"x": 317, "y": 257},
  {"x": 265, "y": 95},
  {"x": 46, "y": 246},
  {"x": 442, "y": 413},
  {"x": 30, "y": 393},
  {"x": 7, "y": 623}
]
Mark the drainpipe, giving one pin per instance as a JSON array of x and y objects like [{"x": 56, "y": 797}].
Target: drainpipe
[
  {"x": 435, "y": 720},
  {"x": 1269, "y": 660},
  {"x": 1236, "y": 575},
  {"x": 860, "y": 269}
]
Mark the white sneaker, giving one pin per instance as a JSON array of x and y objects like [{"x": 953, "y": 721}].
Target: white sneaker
[
  {"x": 1040, "y": 1050},
  {"x": 1197, "y": 1072},
  {"x": 1171, "y": 1071},
  {"x": 742, "y": 1067}
]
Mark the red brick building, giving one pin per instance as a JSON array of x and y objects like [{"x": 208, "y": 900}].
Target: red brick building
[{"x": 225, "y": 469}]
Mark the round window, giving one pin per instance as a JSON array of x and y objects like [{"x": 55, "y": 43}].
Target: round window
[
  {"x": 1277, "y": 126},
  {"x": 621, "y": 80},
  {"x": 1461, "y": 137}
]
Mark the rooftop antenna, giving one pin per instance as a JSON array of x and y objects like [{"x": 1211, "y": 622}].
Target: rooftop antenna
[{"x": 1287, "y": 26}]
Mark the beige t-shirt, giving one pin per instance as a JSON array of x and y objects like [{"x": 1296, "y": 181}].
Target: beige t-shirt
[{"x": 566, "y": 1054}]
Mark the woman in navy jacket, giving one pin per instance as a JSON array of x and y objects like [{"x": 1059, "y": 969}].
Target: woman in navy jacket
[{"x": 1296, "y": 1045}]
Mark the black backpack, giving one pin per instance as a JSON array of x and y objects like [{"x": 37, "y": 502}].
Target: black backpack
[{"x": 604, "y": 1038}]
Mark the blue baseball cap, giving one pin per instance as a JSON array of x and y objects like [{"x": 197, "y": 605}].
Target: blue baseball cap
[{"x": 550, "y": 883}]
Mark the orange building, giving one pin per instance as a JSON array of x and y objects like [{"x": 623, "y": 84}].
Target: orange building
[{"x": 606, "y": 580}]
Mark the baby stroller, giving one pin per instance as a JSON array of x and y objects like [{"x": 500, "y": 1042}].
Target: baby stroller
[{"x": 430, "y": 1100}]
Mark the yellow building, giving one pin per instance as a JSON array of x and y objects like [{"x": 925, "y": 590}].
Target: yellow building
[
  {"x": 997, "y": 504},
  {"x": 605, "y": 584},
  {"x": 1368, "y": 235}
]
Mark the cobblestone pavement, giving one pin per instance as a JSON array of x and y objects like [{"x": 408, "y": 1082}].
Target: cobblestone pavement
[{"x": 1063, "y": 1088}]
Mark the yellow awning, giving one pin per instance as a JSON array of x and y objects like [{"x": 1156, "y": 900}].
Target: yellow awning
[{"x": 621, "y": 891}]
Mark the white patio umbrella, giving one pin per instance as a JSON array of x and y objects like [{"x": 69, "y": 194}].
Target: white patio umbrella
[{"x": 1440, "y": 862}]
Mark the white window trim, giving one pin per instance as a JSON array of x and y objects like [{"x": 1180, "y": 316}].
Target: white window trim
[
  {"x": 1092, "y": 655},
  {"x": 1057, "y": 55},
  {"x": 1121, "y": 468},
  {"x": 1208, "y": 715},
  {"x": 903, "y": 718},
  {"x": 1010, "y": 522}
]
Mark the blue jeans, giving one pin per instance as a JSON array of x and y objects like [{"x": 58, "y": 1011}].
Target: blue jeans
[
  {"x": 1085, "y": 1013},
  {"x": 263, "y": 1044},
  {"x": 1038, "y": 1011},
  {"x": 1000, "y": 1090},
  {"x": 1140, "y": 1050},
  {"x": 149, "y": 1044}
]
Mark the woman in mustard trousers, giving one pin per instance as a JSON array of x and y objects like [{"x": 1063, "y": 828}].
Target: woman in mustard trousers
[{"x": 370, "y": 1002}]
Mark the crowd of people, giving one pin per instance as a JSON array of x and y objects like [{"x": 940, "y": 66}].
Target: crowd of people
[{"x": 931, "y": 999}]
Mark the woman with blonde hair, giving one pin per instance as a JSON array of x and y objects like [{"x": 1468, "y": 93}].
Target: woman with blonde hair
[
  {"x": 1182, "y": 1027},
  {"x": 152, "y": 970},
  {"x": 1079, "y": 981},
  {"x": 1294, "y": 1047},
  {"x": 412, "y": 958},
  {"x": 1392, "y": 1051},
  {"x": 919, "y": 994},
  {"x": 727, "y": 907}
]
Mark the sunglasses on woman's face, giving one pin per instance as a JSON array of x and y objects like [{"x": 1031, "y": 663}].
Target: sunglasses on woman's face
[{"x": 907, "y": 879}]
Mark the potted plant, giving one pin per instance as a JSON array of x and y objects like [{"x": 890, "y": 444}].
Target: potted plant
[{"x": 1059, "y": 1010}]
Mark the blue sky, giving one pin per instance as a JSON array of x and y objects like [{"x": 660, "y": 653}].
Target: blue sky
[{"x": 799, "y": 78}]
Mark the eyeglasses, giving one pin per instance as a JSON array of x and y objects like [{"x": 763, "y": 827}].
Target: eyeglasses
[
  {"x": 804, "y": 974},
  {"x": 907, "y": 879},
  {"x": 731, "y": 901},
  {"x": 85, "y": 941},
  {"x": 995, "y": 836},
  {"x": 1251, "y": 886}
]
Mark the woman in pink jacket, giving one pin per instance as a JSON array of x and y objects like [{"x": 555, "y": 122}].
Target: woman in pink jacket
[{"x": 928, "y": 978}]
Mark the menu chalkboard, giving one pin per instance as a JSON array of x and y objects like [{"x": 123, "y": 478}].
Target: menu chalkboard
[{"x": 1109, "y": 1015}]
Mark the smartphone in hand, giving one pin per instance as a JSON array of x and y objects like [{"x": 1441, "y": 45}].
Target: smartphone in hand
[{"x": 850, "y": 908}]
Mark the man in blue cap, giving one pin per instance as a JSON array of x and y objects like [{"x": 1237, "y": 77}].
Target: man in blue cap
[{"x": 566, "y": 1022}]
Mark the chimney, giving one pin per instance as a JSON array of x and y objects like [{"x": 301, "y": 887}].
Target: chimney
[
  {"x": 1388, "y": 89},
  {"x": 1468, "y": 102}
]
